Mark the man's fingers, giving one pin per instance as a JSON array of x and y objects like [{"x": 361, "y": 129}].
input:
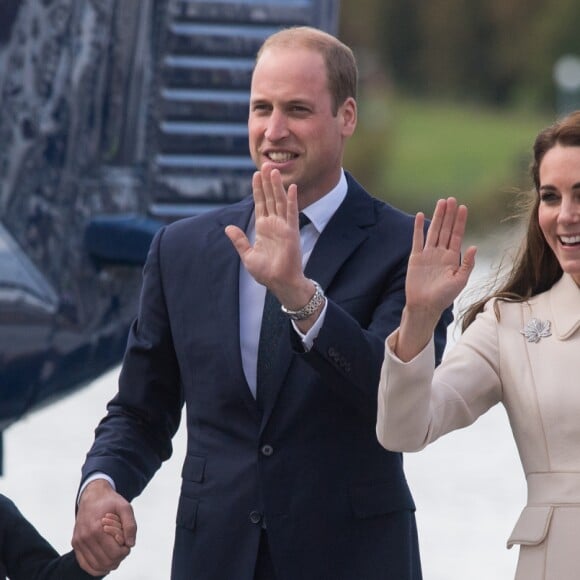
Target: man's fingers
[
  {"x": 267, "y": 190},
  {"x": 292, "y": 207},
  {"x": 100, "y": 558},
  {"x": 279, "y": 193},
  {"x": 82, "y": 561},
  {"x": 258, "y": 194},
  {"x": 238, "y": 239},
  {"x": 128, "y": 524}
]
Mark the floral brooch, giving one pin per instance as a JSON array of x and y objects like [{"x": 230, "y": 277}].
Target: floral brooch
[{"x": 536, "y": 329}]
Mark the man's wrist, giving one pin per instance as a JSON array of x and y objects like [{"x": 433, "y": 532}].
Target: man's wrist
[
  {"x": 311, "y": 307},
  {"x": 97, "y": 475}
]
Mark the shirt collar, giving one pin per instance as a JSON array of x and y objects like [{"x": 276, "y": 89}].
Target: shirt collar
[{"x": 321, "y": 211}]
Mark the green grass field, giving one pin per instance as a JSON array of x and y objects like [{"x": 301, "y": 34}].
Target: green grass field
[{"x": 412, "y": 152}]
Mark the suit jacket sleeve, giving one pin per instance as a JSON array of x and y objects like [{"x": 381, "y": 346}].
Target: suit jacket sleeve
[{"x": 134, "y": 438}]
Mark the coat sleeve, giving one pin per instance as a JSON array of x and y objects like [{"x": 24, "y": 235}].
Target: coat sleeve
[{"x": 417, "y": 403}]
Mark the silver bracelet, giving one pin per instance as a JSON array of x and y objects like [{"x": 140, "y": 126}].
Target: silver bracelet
[{"x": 310, "y": 308}]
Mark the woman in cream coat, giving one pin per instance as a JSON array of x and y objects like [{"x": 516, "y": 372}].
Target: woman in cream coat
[{"x": 520, "y": 347}]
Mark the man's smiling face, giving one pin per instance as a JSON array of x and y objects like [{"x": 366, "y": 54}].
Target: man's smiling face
[{"x": 291, "y": 123}]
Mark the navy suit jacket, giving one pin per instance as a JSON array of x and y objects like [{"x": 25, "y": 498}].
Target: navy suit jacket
[
  {"x": 336, "y": 504},
  {"x": 26, "y": 555}
]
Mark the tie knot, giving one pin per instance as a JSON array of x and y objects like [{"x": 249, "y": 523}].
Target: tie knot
[{"x": 303, "y": 220}]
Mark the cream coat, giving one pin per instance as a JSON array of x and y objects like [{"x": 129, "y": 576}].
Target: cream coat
[{"x": 539, "y": 385}]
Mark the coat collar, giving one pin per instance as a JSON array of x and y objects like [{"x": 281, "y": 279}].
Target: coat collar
[{"x": 564, "y": 301}]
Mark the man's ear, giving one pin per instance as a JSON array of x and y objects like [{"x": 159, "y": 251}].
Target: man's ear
[{"x": 348, "y": 114}]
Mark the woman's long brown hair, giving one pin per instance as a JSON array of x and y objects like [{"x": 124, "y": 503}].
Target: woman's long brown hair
[{"x": 535, "y": 267}]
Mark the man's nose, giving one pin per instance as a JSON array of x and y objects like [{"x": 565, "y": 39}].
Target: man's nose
[{"x": 277, "y": 127}]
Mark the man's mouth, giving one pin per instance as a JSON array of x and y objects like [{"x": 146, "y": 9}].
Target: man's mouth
[{"x": 280, "y": 157}]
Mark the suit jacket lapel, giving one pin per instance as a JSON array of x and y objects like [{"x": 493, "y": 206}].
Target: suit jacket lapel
[
  {"x": 223, "y": 265},
  {"x": 342, "y": 235}
]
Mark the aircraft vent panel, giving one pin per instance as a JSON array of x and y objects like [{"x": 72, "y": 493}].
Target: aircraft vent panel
[
  {"x": 198, "y": 129},
  {"x": 278, "y": 13}
]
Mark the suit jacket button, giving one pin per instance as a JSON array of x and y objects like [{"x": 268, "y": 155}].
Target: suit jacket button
[
  {"x": 267, "y": 450},
  {"x": 255, "y": 517}
]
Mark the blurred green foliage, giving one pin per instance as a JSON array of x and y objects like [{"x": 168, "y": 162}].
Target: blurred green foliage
[
  {"x": 497, "y": 52},
  {"x": 410, "y": 152},
  {"x": 480, "y": 73}
]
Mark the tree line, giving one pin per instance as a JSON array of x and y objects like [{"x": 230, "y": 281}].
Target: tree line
[{"x": 499, "y": 52}]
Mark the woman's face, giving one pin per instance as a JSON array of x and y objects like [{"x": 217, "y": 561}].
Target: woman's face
[{"x": 559, "y": 209}]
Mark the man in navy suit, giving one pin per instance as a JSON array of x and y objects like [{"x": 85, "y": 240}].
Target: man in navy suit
[
  {"x": 26, "y": 555},
  {"x": 283, "y": 478}
]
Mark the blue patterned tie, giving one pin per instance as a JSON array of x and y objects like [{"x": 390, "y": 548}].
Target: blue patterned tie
[{"x": 273, "y": 320}]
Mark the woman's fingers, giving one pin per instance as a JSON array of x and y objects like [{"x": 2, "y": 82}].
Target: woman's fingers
[
  {"x": 448, "y": 222},
  {"x": 418, "y": 233},
  {"x": 458, "y": 230},
  {"x": 447, "y": 226},
  {"x": 436, "y": 223}
]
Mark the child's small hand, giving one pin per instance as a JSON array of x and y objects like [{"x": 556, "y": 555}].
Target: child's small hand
[{"x": 112, "y": 526}]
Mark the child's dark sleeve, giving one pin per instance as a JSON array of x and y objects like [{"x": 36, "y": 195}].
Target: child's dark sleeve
[
  {"x": 64, "y": 567},
  {"x": 26, "y": 555}
]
